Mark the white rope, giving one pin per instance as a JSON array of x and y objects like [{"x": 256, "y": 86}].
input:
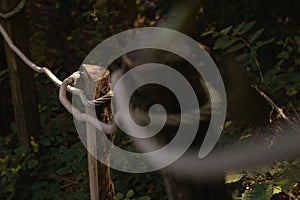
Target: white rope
[
  {"x": 105, "y": 128},
  {"x": 214, "y": 165},
  {"x": 48, "y": 73},
  {"x": 65, "y": 86}
]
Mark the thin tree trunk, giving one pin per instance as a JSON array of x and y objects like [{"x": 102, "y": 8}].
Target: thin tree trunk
[{"x": 21, "y": 77}]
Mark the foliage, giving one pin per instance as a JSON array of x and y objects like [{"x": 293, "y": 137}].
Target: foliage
[
  {"x": 62, "y": 33},
  {"x": 238, "y": 39},
  {"x": 265, "y": 181},
  {"x": 3, "y": 74},
  {"x": 285, "y": 76},
  {"x": 65, "y": 159},
  {"x": 55, "y": 167},
  {"x": 130, "y": 196},
  {"x": 248, "y": 45}
]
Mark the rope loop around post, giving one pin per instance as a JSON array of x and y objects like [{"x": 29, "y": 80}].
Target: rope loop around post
[
  {"x": 83, "y": 97},
  {"x": 108, "y": 129}
]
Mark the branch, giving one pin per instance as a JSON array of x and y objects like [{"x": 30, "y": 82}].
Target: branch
[
  {"x": 16, "y": 10},
  {"x": 273, "y": 104},
  {"x": 254, "y": 58}
]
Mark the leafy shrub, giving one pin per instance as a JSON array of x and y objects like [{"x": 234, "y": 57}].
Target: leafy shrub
[{"x": 280, "y": 78}]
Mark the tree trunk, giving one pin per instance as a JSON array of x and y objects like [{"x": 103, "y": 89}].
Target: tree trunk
[{"x": 21, "y": 77}]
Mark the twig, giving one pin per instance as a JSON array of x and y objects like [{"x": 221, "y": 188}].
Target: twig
[
  {"x": 278, "y": 126},
  {"x": 273, "y": 104},
  {"x": 295, "y": 111},
  {"x": 69, "y": 182},
  {"x": 14, "y": 11},
  {"x": 254, "y": 58},
  {"x": 270, "y": 115}
]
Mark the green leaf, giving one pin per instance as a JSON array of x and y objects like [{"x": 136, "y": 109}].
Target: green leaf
[
  {"x": 41, "y": 194},
  {"x": 277, "y": 189},
  {"x": 3, "y": 74},
  {"x": 246, "y": 136},
  {"x": 20, "y": 150},
  {"x": 249, "y": 62},
  {"x": 289, "y": 49},
  {"x": 229, "y": 43},
  {"x": 238, "y": 28},
  {"x": 221, "y": 42},
  {"x": 119, "y": 196},
  {"x": 39, "y": 184},
  {"x": 284, "y": 55},
  {"x": 297, "y": 61},
  {"x": 285, "y": 174},
  {"x": 235, "y": 195},
  {"x": 207, "y": 33},
  {"x": 226, "y": 30},
  {"x": 233, "y": 177},
  {"x": 286, "y": 41},
  {"x": 291, "y": 92},
  {"x": 280, "y": 42},
  {"x": 261, "y": 191},
  {"x": 63, "y": 170},
  {"x": 54, "y": 189},
  {"x": 45, "y": 142},
  {"x": 130, "y": 193},
  {"x": 215, "y": 34},
  {"x": 255, "y": 35},
  {"x": 243, "y": 57},
  {"x": 144, "y": 198},
  {"x": 32, "y": 163},
  {"x": 279, "y": 63},
  {"x": 262, "y": 43},
  {"x": 236, "y": 47},
  {"x": 13, "y": 126},
  {"x": 247, "y": 27}
]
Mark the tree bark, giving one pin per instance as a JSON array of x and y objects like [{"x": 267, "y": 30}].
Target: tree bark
[{"x": 21, "y": 77}]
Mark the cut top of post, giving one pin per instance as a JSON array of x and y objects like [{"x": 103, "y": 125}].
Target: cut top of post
[{"x": 96, "y": 77}]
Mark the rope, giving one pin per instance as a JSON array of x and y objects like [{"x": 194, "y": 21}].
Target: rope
[
  {"x": 16, "y": 10},
  {"x": 52, "y": 77},
  {"x": 66, "y": 86},
  {"x": 106, "y": 128},
  {"x": 97, "y": 102},
  {"x": 213, "y": 166}
]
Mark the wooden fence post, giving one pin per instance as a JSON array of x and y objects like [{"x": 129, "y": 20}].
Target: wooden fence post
[
  {"x": 21, "y": 77},
  {"x": 101, "y": 185}
]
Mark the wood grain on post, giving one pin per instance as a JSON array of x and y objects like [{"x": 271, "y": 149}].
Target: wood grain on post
[
  {"x": 21, "y": 77},
  {"x": 97, "y": 85}
]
